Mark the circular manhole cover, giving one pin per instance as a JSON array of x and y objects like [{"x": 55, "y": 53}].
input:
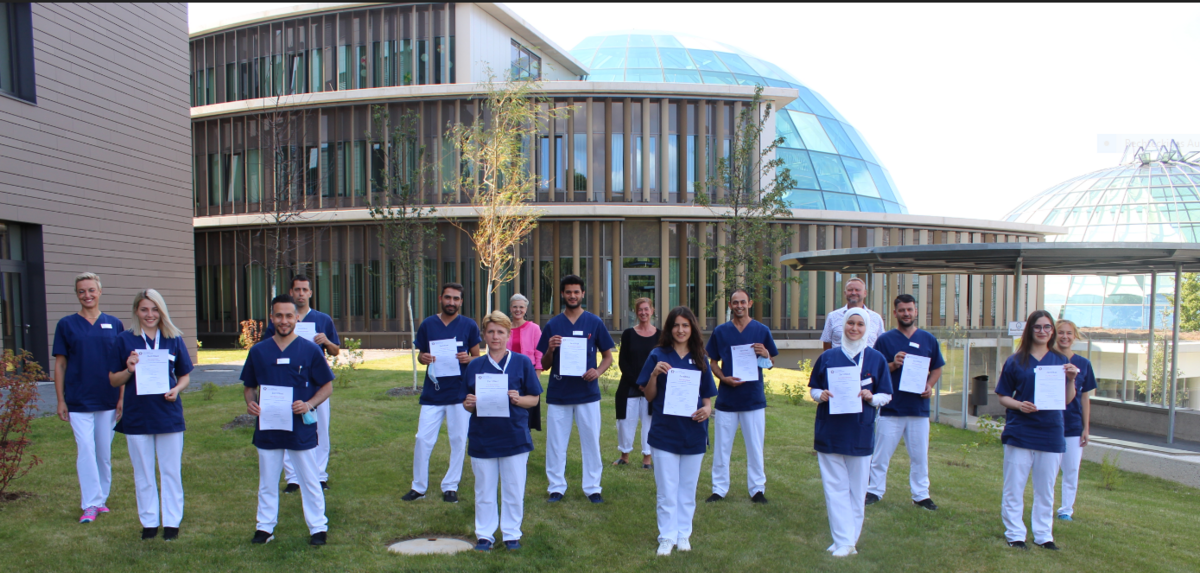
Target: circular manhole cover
[{"x": 430, "y": 546}]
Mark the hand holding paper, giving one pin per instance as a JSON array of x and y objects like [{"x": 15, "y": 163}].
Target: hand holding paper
[
  {"x": 572, "y": 359},
  {"x": 306, "y": 330},
  {"x": 446, "y": 353},
  {"x": 491, "y": 396},
  {"x": 1050, "y": 388},
  {"x": 275, "y": 403},
  {"x": 153, "y": 372},
  {"x": 745, "y": 363},
  {"x": 683, "y": 391}
]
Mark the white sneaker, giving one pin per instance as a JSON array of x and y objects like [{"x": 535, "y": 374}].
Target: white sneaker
[
  {"x": 845, "y": 551},
  {"x": 831, "y": 548},
  {"x": 683, "y": 544},
  {"x": 664, "y": 548}
]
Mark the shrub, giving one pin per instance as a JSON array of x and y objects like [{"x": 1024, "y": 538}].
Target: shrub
[
  {"x": 796, "y": 393},
  {"x": 19, "y": 376},
  {"x": 1110, "y": 472},
  {"x": 251, "y": 331},
  {"x": 208, "y": 391},
  {"x": 345, "y": 364},
  {"x": 964, "y": 452},
  {"x": 990, "y": 429}
]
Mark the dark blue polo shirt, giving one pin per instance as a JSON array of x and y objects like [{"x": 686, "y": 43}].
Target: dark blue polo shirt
[
  {"x": 676, "y": 434},
  {"x": 324, "y": 326},
  {"x": 1041, "y": 430},
  {"x": 569, "y": 390},
  {"x": 449, "y": 390},
  {"x": 1085, "y": 381}
]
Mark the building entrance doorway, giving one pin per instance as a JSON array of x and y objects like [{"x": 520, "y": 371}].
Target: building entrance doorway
[{"x": 638, "y": 283}]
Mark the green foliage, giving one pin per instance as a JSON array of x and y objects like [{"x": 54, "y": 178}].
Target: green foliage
[
  {"x": 208, "y": 391},
  {"x": 990, "y": 430},
  {"x": 251, "y": 333},
  {"x": 750, "y": 199},
  {"x": 19, "y": 377},
  {"x": 1159, "y": 364},
  {"x": 797, "y": 392},
  {"x": 965, "y": 451},
  {"x": 1189, "y": 304},
  {"x": 345, "y": 364},
  {"x": 1110, "y": 472}
]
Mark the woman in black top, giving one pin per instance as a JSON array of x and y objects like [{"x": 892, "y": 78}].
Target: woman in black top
[{"x": 636, "y": 344}]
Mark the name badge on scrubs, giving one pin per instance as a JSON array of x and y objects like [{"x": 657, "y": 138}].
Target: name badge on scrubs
[
  {"x": 914, "y": 345},
  {"x": 283, "y": 361},
  {"x": 105, "y": 325},
  {"x": 866, "y": 382},
  {"x": 460, "y": 342},
  {"x": 577, "y": 333},
  {"x": 171, "y": 357}
]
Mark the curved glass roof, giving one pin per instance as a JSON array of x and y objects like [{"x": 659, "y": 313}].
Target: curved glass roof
[{"x": 833, "y": 166}]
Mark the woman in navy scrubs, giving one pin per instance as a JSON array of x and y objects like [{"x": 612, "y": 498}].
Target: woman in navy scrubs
[
  {"x": 83, "y": 343},
  {"x": 845, "y": 442},
  {"x": 153, "y": 422},
  {"x": 499, "y": 447},
  {"x": 678, "y": 443},
  {"x": 1033, "y": 439},
  {"x": 1076, "y": 418}
]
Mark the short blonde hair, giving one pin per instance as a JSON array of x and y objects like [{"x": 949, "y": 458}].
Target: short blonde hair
[
  {"x": 168, "y": 328},
  {"x": 498, "y": 318},
  {"x": 1078, "y": 335},
  {"x": 644, "y": 299},
  {"x": 88, "y": 277}
]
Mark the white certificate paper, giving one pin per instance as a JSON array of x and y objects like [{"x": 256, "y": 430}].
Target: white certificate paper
[
  {"x": 844, "y": 384},
  {"x": 491, "y": 395},
  {"x": 745, "y": 363},
  {"x": 446, "y": 352},
  {"x": 276, "y": 405},
  {"x": 1050, "y": 388},
  {"x": 572, "y": 359},
  {"x": 683, "y": 392},
  {"x": 306, "y": 330},
  {"x": 152, "y": 372},
  {"x": 914, "y": 373}
]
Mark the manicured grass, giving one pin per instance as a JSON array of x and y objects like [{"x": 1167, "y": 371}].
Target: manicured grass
[
  {"x": 220, "y": 356},
  {"x": 1145, "y": 525}
]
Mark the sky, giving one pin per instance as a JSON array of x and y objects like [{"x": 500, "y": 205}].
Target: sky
[{"x": 973, "y": 108}]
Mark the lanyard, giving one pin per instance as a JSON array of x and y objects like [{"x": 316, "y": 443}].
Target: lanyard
[
  {"x": 157, "y": 333},
  {"x": 507, "y": 360}
]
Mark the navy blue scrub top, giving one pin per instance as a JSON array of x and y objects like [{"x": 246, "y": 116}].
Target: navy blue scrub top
[
  {"x": 88, "y": 348},
  {"x": 503, "y": 437},
  {"x": 324, "y": 326},
  {"x": 150, "y": 413},
  {"x": 849, "y": 434},
  {"x": 1041, "y": 430},
  {"x": 569, "y": 390},
  {"x": 676, "y": 434},
  {"x": 893, "y": 342},
  {"x": 750, "y": 395},
  {"x": 1085, "y": 381},
  {"x": 305, "y": 371},
  {"x": 448, "y": 390}
]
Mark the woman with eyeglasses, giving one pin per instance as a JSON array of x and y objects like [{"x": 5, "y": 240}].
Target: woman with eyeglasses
[{"x": 1033, "y": 438}]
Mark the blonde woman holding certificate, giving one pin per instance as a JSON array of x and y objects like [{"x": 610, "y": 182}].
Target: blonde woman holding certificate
[
  {"x": 849, "y": 383},
  {"x": 1033, "y": 378}
]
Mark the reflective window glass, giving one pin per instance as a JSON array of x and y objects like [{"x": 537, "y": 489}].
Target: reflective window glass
[
  {"x": 667, "y": 42},
  {"x": 1131, "y": 214},
  {"x": 683, "y": 76},
  {"x": 812, "y": 102},
  {"x": 785, "y": 129},
  {"x": 1100, "y": 184},
  {"x": 719, "y": 78},
  {"x": 1103, "y": 233},
  {"x": 643, "y": 75},
  {"x": 676, "y": 58},
  {"x": 811, "y": 131},
  {"x": 828, "y": 106},
  {"x": 1162, "y": 194},
  {"x": 892, "y": 207},
  {"x": 860, "y": 178},
  {"x": 745, "y": 80},
  {"x": 840, "y": 202},
  {"x": 590, "y": 42},
  {"x": 1113, "y": 196},
  {"x": 1056, "y": 217},
  {"x": 870, "y": 205},
  {"x": 760, "y": 67},
  {"x": 584, "y": 56},
  {"x": 859, "y": 144},
  {"x": 641, "y": 41},
  {"x": 881, "y": 182},
  {"x": 642, "y": 58},
  {"x": 1186, "y": 194},
  {"x": 608, "y": 58},
  {"x": 707, "y": 60},
  {"x": 805, "y": 200},
  {"x": 776, "y": 83},
  {"x": 735, "y": 63},
  {"x": 839, "y": 137},
  {"x": 830, "y": 173},
  {"x": 618, "y": 41},
  {"x": 800, "y": 167}
]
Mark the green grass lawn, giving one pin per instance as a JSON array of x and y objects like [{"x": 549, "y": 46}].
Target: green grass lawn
[
  {"x": 220, "y": 356},
  {"x": 1146, "y": 524}
]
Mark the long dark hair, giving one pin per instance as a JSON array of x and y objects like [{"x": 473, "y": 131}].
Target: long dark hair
[
  {"x": 1026, "y": 346},
  {"x": 695, "y": 343}
]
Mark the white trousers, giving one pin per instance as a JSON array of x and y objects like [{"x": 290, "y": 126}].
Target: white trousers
[
  {"x": 1070, "y": 473},
  {"x": 753, "y": 425},
  {"x": 457, "y": 419},
  {"x": 675, "y": 478},
  {"x": 1019, "y": 463},
  {"x": 558, "y": 436},
  {"x": 888, "y": 431},
  {"x": 636, "y": 410},
  {"x": 93, "y": 460},
  {"x": 168, "y": 449},
  {"x": 845, "y": 481},
  {"x": 270, "y": 464},
  {"x": 509, "y": 473},
  {"x": 321, "y": 451}
]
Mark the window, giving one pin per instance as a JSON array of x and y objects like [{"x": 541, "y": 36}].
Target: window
[
  {"x": 525, "y": 64},
  {"x": 16, "y": 51}
]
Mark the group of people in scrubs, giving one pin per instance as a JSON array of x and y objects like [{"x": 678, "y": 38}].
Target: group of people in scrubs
[{"x": 491, "y": 400}]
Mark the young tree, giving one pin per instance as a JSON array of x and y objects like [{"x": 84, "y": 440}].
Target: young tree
[
  {"x": 751, "y": 197},
  {"x": 1189, "y": 303},
  {"x": 497, "y": 178},
  {"x": 406, "y": 226},
  {"x": 19, "y": 376}
]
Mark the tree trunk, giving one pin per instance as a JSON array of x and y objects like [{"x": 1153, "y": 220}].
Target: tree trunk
[{"x": 413, "y": 338}]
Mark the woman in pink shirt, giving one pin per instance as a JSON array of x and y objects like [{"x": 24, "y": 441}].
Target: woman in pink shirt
[{"x": 525, "y": 334}]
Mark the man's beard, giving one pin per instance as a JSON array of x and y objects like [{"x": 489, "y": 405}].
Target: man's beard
[
  {"x": 572, "y": 306},
  {"x": 905, "y": 324},
  {"x": 449, "y": 309}
]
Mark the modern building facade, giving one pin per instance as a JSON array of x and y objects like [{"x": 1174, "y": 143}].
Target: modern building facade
[
  {"x": 645, "y": 117},
  {"x": 94, "y": 167}
]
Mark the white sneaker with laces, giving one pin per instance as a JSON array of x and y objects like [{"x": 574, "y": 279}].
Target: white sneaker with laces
[
  {"x": 683, "y": 544},
  {"x": 664, "y": 548},
  {"x": 845, "y": 551}
]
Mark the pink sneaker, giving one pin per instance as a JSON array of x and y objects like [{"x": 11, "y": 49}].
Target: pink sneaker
[
  {"x": 89, "y": 515},
  {"x": 102, "y": 509}
]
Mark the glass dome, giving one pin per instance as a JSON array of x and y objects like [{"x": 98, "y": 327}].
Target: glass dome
[
  {"x": 1153, "y": 198},
  {"x": 833, "y": 166}
]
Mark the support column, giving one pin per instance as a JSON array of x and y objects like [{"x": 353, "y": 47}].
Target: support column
[
  {"x": 575, "y": 248},
  {"x": 681, "y": 234},
  {"x": 923, "y": 289},
  {"x": 832, "y": 299},
  {"x": 569, "y": 154},
  {"x": 664, "y": 271},
  {"x": 535, "y": 265},
  {"x": 646, "y": 161},
  {"x": 702, "y": 276},
  {"x": 591, "y": 177},
  {"x": 617, "y": 265},
  {"x": 596, "y": 271},
  {"x": 794, "y": 286},
  {"x": 811, "y": 281},
  {"x": 776, "y": 291},
  {"x": 876, "y": 294},
  {"x": 722, "y": 296},
  {"x": 664, "y": 164},
  {"x": 556, "y": 269}
]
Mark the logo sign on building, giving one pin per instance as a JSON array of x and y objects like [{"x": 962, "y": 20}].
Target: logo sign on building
[{"x": 1016, "y": 328}]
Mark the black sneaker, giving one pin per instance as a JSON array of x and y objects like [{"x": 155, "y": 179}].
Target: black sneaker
[
  {"x": 554, "y": 498},
  {"x": 759, "y": 498},
  {"x": 714, "y": 497},
  {"x": 261, "y": 537},
  {"x": 871, "y": 499},
  {"x": 149, "y": 532},
  {"x": 450, "y": 496},
  {"x": 324, "y": 485},
  {"x": 483, "y": 545},
  {"x": 170, "y": 533},
  {"x": 317, "y": 538},
  {"x": 595, "y": 498},
  {"x": 927, "y": 504},
  {"x": 1018, "y": 545},
  {"x": 1049, "y": 545},
  {"x": 291, "y": 488},
  {"x": 412, "y": 495}
]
